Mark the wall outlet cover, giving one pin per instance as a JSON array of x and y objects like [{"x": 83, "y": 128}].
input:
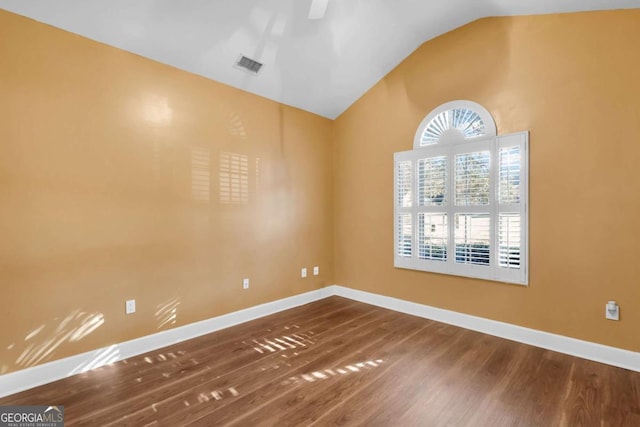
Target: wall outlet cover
[
  {"x": 130, "y": 306},
  {"x": 612, "y": 311}
]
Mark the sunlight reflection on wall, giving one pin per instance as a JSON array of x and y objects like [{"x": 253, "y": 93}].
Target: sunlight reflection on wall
[
  {"x": 236, "y": 126},
  {"x": 167, "y": 312},
  {"x": 41, "y": 343},
  {"x": 200, "y": 174},
  {"x": 156, "y": 110},
  {"x": 258, "y": 183},
  {"x": 234, "y": 178}
]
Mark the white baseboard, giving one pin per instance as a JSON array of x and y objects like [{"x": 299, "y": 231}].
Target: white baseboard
[
  {"x": 15, "y": 382},
  {"x": 25, "y": 379},
  {"x": 574, "y": 347}
]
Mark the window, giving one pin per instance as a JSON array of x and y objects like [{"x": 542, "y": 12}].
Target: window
[{"x": 461, "y": 197}]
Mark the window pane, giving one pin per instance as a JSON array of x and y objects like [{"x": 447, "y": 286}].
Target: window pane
[
  {"x": 509, "y": 240},
  {"x": 435, "y": 128},
  {"x": 404, "y": 184},
  {"x": 472, "y": 238},
  {"x": 472, "y": 178},
  {"x": 509, "y": 175},
  {"x": 404, "y": 235},
  {"x": 432, "y": 181},
  {"x": 432, "y": 236},
  {"x": 467, "y": 121}
]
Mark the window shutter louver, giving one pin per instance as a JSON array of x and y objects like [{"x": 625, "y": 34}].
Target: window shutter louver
[
  {"x": 432, "y": 236},
  {"x": 405, "y": 235},
  {"x": 472, "y": 178},
  {"x": 511, "y": 192},
  {"x": 403, "y": 184},
  {"x": 473, "y": 237},
  {"x": 509, "y": 240},
  {"x": 509, "y": 175},
  {"x": 432, "y": 181}
]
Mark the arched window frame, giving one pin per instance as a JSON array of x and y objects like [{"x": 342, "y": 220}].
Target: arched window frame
[
  {"x": 483, "y": 113},
  {"x": 480, "y": 181}
]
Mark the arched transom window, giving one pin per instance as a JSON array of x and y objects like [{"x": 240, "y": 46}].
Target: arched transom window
[
  {"x": 461, "y": 197},
  {"x": 453, "y": 120}
]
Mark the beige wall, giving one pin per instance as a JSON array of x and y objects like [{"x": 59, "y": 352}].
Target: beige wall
[
  {"x": 572, "y": 81},
  {"x": 103, "y": 198},
  {"x": 100, "y": 200}
]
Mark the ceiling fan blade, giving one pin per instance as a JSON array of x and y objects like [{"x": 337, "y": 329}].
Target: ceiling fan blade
[{"x": 318, "y": 9}]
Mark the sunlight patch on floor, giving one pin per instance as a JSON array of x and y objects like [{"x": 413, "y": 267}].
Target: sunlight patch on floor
[
  {"x": 282, "y": 343},
  {"x": 327, "y": 373}
]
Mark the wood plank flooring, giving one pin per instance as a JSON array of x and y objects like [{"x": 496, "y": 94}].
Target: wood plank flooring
[{"x": 341, "y": 362}]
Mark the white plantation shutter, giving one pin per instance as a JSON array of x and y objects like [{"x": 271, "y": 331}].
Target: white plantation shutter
[
  {"x": 509, "y": 231},
  {"x": 512, "y": 184},
  {"x": 509, "y": 170},
  {"x": 473, "y": 239},
  {"x": 473, "y": 223},
  {"x": 403, "y": 181},
  {"x": 472, "y": 178},
  {"x": 404, "y": 201},
  {"x": 433, "y": 232},
  {"x": 404, "y": 235},
  {"x": 461, "y": 203},
  {"x": 509, "y": 240},
  {"x": 432, "y": 181}
]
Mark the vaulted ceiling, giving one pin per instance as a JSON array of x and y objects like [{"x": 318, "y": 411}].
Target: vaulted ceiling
[{"x": 319, "y": 65}]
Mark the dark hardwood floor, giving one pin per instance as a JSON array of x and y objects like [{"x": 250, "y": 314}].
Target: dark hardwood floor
[{"x": 341, "y": 362}]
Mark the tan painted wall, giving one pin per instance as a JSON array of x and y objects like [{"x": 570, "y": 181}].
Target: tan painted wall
[
  {"x": 100, "y": 202},
  {"x": 572, "y": 80}
]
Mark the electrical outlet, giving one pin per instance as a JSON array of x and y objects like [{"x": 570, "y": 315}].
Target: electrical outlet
[
  {"x": 130, "y": 306},
  {"x": 612, "y": 311},
  {"x": 245, "y": 283},
  {"x": 316, "y": 270},
  {"x": 303, "y": 273}
]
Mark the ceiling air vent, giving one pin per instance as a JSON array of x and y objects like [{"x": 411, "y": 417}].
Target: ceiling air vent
[{"x": 248, "y": 64}]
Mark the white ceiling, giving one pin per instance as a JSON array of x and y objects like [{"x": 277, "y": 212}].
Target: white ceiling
[{"x": 321, "y": 66}]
